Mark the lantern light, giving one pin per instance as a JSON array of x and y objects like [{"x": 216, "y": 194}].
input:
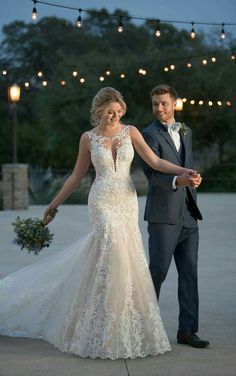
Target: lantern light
[{"x": 14, "y": 93}]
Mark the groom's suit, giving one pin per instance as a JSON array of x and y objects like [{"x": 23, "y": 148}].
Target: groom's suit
[{"x": 172, "y": 222}]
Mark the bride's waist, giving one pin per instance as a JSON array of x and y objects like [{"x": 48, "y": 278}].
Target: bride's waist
[{"x": 114, "y": 183}]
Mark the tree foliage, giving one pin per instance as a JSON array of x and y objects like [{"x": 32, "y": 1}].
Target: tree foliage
[{"x": 52, "y": 118}]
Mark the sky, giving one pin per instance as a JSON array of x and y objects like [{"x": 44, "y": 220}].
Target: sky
[{"x": 174, "y": 10}]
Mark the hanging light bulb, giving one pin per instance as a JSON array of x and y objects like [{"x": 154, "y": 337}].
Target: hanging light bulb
[
  {"x": 120, "y": 27},
  {"x": 189, "y": 65},
  {"x": 223, "y": 31},
  {"x": 193, "y": 34},
  {"x": 213, "y": 59},
  {"x": 108, "y": 73},
  {"x": 232, "y": 57},
  {"x": 4, "y": 72},
  {"x": 210, "y": 103},
  {"x": 79, "y": 19},
  {"x": 34, "y": 12},
  {"x": 158, "y": 31}
]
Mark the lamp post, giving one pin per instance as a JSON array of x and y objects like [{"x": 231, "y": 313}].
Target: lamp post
[
  {"x": 15, "y": 175},
  {"x": 179, "y": 104},
  {"x": 14, "y": 97}
]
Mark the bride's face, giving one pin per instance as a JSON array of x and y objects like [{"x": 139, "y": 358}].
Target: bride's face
[{"x": 112, "y": 114}]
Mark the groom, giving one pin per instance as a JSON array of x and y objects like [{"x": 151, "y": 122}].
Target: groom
[{"x": 172, "y": 212}]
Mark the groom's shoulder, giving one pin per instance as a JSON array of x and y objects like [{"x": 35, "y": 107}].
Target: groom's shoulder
[{"x": 150, "y": 128}]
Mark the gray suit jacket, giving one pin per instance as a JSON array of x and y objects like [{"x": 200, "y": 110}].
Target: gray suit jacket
[{"x": 165, "y": 205}]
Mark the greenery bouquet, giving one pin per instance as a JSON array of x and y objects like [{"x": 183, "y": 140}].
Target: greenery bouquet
[{"x": 32, "y": 233}]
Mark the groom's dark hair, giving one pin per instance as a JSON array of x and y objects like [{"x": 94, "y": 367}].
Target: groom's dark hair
[{"x": 164, "y": 89}]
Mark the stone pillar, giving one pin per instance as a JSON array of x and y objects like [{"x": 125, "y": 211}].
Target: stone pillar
[{"x": 15, "y": 186}]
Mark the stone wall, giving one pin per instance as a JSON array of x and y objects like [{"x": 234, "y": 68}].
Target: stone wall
[{"x": 15, "y": 186}]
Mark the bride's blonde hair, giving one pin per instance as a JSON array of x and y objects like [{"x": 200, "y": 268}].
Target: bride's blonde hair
[{"x": 103, "y": 98}]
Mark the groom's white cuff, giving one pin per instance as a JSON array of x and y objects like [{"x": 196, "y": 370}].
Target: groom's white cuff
[{"x": 174, "y": 183}]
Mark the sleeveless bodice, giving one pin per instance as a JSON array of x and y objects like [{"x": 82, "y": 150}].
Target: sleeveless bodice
[{"x": 113, "y": 186}]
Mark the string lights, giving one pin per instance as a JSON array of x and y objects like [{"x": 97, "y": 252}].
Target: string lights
[
  {"x": 206, "y": 61},
  {"x": 181, "y": 101},
  {"x": 200, "y": 102},
  {"x": 121, "y": 18}
]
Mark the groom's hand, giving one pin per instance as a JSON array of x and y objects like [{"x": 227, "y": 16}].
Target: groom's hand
[{"x": 188, "y": 179}]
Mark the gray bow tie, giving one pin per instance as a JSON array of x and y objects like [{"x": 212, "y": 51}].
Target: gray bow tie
[{"x": 175, "y": 127}]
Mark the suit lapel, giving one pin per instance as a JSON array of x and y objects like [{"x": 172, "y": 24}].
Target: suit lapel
[{"x": 164, "y": 133}]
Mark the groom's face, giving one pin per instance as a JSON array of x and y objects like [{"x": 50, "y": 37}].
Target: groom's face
[{"x": 163, "y": 107}]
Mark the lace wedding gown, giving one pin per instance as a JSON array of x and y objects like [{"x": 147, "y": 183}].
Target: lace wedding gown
[{"x": 96, "y": 297}]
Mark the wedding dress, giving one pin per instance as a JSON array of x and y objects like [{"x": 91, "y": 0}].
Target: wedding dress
[{"x": 95, "y": 298}]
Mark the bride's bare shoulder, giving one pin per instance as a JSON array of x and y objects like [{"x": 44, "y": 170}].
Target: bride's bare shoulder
[{"x": 134, "y": 132}]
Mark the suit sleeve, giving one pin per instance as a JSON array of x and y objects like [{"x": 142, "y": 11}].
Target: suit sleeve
[{"x": 154, "y": 177}]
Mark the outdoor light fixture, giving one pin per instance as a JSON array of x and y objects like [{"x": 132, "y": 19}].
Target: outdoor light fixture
[
  {"x": 79, "y": 20},
  {"x": 223, "y": 31},
  {"x": 179, "y": 104},
  {"x": 158, "y": 31},
  {"x": 14, "y": 93},
  {"x": 193, "y": 34},
  {"x": 120, "y": 27},
  {"x": 34, "y": 12},
  {"x": 14, "y": 97}
]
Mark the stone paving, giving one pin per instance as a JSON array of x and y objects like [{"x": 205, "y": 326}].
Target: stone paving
[{"x": 217, "y": 286}]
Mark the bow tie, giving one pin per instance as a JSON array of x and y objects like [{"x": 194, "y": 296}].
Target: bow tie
[{"x": 175, "y": 127}]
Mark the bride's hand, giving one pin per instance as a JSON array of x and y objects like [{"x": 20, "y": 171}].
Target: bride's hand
[
  {"x": 191, "y": 172},
  {"x": 49, "y": 214}
]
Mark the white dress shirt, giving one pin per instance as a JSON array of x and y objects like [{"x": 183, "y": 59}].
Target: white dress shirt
[{"x": 176, "y": 139}]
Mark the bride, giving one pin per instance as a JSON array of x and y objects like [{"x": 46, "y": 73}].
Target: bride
[{"x": 96, "y": 297}]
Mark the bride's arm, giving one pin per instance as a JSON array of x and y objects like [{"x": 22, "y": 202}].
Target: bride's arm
[
  {"x": 146, "y": 153},
  {"x": 78, "y": 173}
]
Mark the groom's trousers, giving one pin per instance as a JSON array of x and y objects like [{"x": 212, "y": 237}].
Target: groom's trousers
[{"x": 176, "y": 240}]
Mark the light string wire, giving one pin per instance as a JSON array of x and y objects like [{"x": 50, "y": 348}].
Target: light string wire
[{"x": 117, "y": 16}]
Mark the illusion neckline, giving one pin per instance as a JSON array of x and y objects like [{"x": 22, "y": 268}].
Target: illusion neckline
[{"x": 117, "y": 135}]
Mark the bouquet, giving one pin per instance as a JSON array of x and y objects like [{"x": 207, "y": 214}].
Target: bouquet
[{"x": 32, "y": 233}]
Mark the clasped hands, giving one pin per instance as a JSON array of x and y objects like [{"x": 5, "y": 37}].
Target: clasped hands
[{"x": 189, "y": 178}]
